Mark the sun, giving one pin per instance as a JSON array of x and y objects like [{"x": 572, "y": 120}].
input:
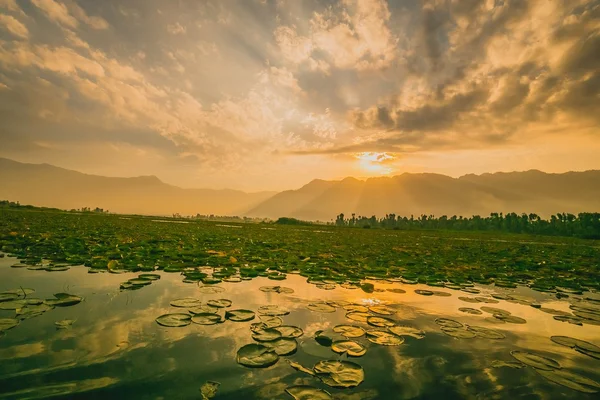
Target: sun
[{"x": 375, "y": 163}]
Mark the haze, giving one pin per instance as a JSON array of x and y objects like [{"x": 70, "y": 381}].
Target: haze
[{"x": 268, "y": 95}]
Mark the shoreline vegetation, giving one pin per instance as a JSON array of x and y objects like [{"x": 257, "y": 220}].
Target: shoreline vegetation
[{"x": 583, "y": 225}]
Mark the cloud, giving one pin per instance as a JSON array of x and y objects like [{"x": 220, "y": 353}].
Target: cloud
[
  {"x": 68, "y": 17},
  {"x": 13, "y": 26},
  {"x": 176, "y": 29}
]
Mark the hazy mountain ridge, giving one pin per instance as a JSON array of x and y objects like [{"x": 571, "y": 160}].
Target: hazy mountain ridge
[
  {"x": 406, "y": 194},
  {"x": 50, "y": 186},
  {"x": 415, "y": 194}
]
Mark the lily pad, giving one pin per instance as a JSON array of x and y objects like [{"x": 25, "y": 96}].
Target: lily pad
[
  {"x": 349, "y": 347},
  {"x": 63, "y": 300},
  {"x": 536, "y": 361},
  {"x": 358, "y": 316},
  {"x": 220, "y": 303},
  {"x": 283, "y": 346},
  {"x": 469, "y": 299},
  {"x": 288, "y": 331},
  {"x": 207, "y": 319},
  {"x": 270, "y": 322},
  {"x": 151, "y": 277},
  {"x": 448, "y": 323},
  {"x": 511, "y": 319},
  {"x": 356, "y": 308},
  {"x": 570, "y": 319},
  {"x": 175, "y": 320},
  {"x": 486, "y": 333},
  {"x": 350, "y": 331},
  {"x": 273, "y": 310},
  {"x": 188, "y": 302},
  {"x": 206, "y": 289},
  {"x": 401, "y": 330},
  {"x": 423, "y": 292},
  {"x": 301, "y": 368},
  {"x": 509, "y": 364},
  {"x": 140, "y": 281},
  {"x": 203, "y": 308},
  {"x": 321, "y": 307},
  {"x": 382, "y": 310},
  {"x": 239, "y": 315},
  {"x": 494, "y": 310},
  {"x": 276, "y": 289},
  {"x": 13, "y": 304},
  {"x": 396, "y": 290},
  {"x": 266, "y": 335},
  {"x": 339, "y": 374},
  {"x": 209, "y": 390},
  {"x": 304, "y": 392},
  {"x": 8, "y": 323},
  {"x": 439, "y": 293},
  {"x": 8, "y": 296},
  {"x": 256, "y": 356},
  {"x": 381, "y": 322},
  {"x": 384, "y": 338},
  {"x": 64, "y": 324},
  {"x": 570, "y": 380},
  {"x": 472, "y": 311},
  {"x": 581, "y": 346},
  {"x": 459, "y": 333}
]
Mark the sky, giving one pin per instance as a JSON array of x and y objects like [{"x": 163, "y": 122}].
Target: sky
[{"x": 270, "y": 94}]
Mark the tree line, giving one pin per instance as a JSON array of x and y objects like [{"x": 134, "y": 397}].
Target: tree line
[{"x": 584, "y": 225}]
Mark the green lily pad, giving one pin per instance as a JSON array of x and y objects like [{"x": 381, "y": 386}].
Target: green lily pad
[
  {"x": 20, "y": 292},
  {"x": 304, "y": 392},
  {"x": 188, "y": 302},
  {"x": 321, "y": 307},
  {"x": 570, "y": 380},
  {"x": 63, "y": 300},
  {"x": 13, "y": 304},
  {"x": 381, "y": 310},
  {"x": 151, "y": 277},
  {"x": 65, "y": 323},
  {"x": 175, "y": 320},
  {"x": 381, "y": 322},
  {"x": 472, "y": 311},
  {"x": 276, "y": 289},
  {"x": 459, "y": 333},
  {"x": 273, "y": 310},
  {"x": 358, "y": 316},
  {"x": 207, "y": 319},
  {"x": 301, "y": 368},
  {"x": 423, "y": 292},
  {"x": 8, "y": 323},
  {"x": 486, "y": 333},
  {"x": 220, "y": 303},
  {"x": 339, "y": 374},
  {"x": 266, "y": 335},
  {"x": 349, "y": 347},
  {"x": 8, "y": 296},
  {"x": 509, "y": 364},
  {"x": 581, "y": 346},
  {"x": 140, "y": 281},
  {"x": 487, "y": 300},
  {"x": 570, "y": 319},
  {"x": 356, "y": 308},
  {"x": 326, "y": 286},
  {"x": 203, "y": 308},
  {"x": 511, "y": 319},
  {"x": 439, "y": 293},
  {"x": 401, "y": 330},
  {"x": 283, "y": 346},
  {"x": 469, "y": 299},
  {"x": 209, "y": 390},
  {"x": 494, "y": 310},
  {"x": 270, "y": 321},
  {"x": 239, "y": 315},
  {"x": 256, "y": 356},
  {"x": 32, "y": 311},
  {"x": 553, "y": 311},
  {"x": 206, "y": 289},
  {"x": 396, "y": 290},
  {"x": 448, "y": 323},
  {"x": 288, "y": 331},
  {"x": 350, "y": 331},
  {"x": 384, "y": 338},
  {"x": 536, "y": 361},
  {"x": 471, "y": 290}
]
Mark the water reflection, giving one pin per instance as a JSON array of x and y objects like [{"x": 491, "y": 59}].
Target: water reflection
[{"x": 115, "y": 349}]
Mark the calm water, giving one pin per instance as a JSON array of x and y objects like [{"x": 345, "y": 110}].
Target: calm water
[{"x": 115, "y": 349}]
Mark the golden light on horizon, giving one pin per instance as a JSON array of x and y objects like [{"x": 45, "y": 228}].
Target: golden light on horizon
[{"x": 375, "y": 162}]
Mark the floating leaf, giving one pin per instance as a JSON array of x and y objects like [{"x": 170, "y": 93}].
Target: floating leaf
[
  {"x": 350, "y": 331},
  {"x": 381, "y": 322},
  {"x": 288, "y": 331},
  {"x": 349, "y": 347},
  {"x": 356, "y": 308},
  {"x": 535, "y": 361},
  {"x": 8, "y": 296},
  {"x": 140, "y": 281},
  {"x": 271, "y": 322},
  {"x": 188, "y": 302},
  {"x": 283, "y": 346},
  {"x": 321, "y": 307},
  {"x": 396, "y": 290},
  {"x": 423, "y": 292},
  {"x": 304, "y": 392},
  {"x": 570, "y": 380},
  {"x": 220, "y": 303},
  {"x": 448, "y": 323},
  {"x": 407, "y": 331},
  {"x": 509, "y": 364},
  {"x": 174, "y": 320},
  {"x": 440, "y": 293},
  {"x": 207, "y": 319},
  {"x": 382, "y": 310},
  {"x": 272, "y": 310},
  {"x": 511, "y": 319},
  {"x": 211, "y": 289},
  {"x": 63, "y": 300},
  {"x": 301, "y": 368},
  {"x": 469, "y": 299},
  {"x": 203, "y": 308},
  {"x": 65, "y": 323},
  {"x": 152, "y": 277},
  {"x": 581, "y": 346},
  {"x": 339, "y": 374},
  {"x": 239, "y": 315},
  {"x": 494, "y": 310},
  {"x": 459, "y": 333},
  {"x": 8, "y": 323},
  {"x": 276, "y": 289},
  {"x": 266, "y": 335},
  {"x": 472, "y": 311},
  {"x": 209, "y": 390},
  {"x": 256, "y": 356},
  {"x": 384, "y": 338},
  {"x": 358, "y": 316}
]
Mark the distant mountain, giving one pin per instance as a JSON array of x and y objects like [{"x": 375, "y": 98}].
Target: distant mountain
[
  {"x": 49, "y": 186},
  {"x": 416, "y": 194}
]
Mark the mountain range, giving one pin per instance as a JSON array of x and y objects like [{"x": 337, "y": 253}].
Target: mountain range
[{"x": 406, "y": 194}]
